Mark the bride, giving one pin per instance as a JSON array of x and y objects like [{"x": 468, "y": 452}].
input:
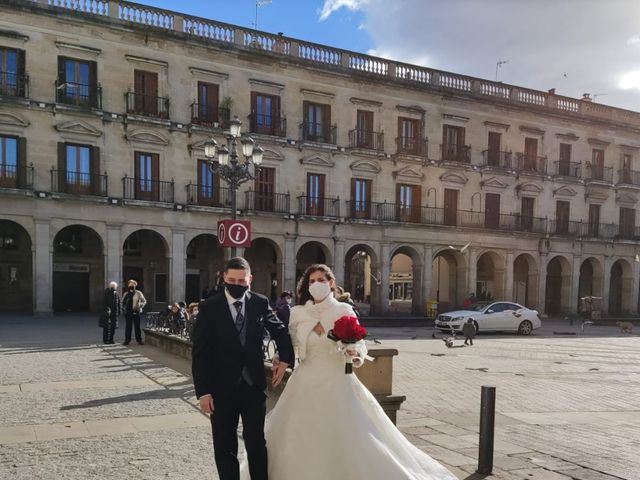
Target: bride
[{"x": 326, "y": 424}]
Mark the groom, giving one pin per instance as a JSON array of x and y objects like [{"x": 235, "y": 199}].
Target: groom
[{"x": 228, "y": 369}]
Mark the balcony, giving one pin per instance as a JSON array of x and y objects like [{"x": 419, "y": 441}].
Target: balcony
[
  {"x": 566, "y": 228},
  {"x": 268, "y": 125},
  {"x": 318, "y": 132},
  {"x": 147, "y": 105},
  {"x": 628, "y": 177},
  {"x": 209, "y": 196},
  {"x": 319, "y": 207},
  {"x": 267, "y": 202},
  {"x": 497, "y": 159},
  {"x": 147, "y": 190},
  {"x": 456, "y": 153},
  {"x": 566, "y": 169},
  {"x": 366, "y": 140},
  {"x": 209, "y": 116},
  {"x": 412, "y": 146},
  {"x": 531, "y": 164},
  {"x": 14, "y": 176},
  {"x": 14, "y": 85},
  {"x": 515, "y": 222},
  {"x": 78, "y": 183},
  {"x": 598, "y": 173},
  {"x": 79, "y": 95}
]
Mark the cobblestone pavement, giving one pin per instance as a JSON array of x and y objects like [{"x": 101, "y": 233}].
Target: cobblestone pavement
[{"x": 568, "y": 403}]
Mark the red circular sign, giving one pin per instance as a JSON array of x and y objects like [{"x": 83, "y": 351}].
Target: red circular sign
[
  {"x": 238, "y": 233},
  {"x": 222, "y": 233}
]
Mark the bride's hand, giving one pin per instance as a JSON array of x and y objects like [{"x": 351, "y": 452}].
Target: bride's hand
[{"x": 318, "y": 329}]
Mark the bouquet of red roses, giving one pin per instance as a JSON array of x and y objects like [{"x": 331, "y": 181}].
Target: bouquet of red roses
[{"x": 347, "y": 331}]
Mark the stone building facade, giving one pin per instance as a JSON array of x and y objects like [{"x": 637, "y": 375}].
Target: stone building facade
[{"x": 412, "y": 183}]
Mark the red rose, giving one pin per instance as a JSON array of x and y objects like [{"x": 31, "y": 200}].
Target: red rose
[{"x": 348, "y": 330}]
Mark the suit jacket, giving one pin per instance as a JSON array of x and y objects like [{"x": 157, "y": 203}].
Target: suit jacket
[
  {"x": 218, "y": 357},
  {"x": 112, "y": 302}
]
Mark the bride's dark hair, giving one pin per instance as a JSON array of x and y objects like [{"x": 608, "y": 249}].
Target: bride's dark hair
[{"x": 303, "y": 284}]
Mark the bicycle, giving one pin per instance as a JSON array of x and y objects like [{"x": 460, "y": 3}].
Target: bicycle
[{"x": 269, "y": 348}]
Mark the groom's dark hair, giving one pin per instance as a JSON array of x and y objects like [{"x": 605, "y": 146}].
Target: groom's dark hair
[{"x": 237, "y": 263}]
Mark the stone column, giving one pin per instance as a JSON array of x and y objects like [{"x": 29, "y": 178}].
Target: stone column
[
  {"x": 575, "y": 283},
  {"x": 635, "y": 287},
  {"x": 338, "y": 262},
  {"x": 385, "y": 273},
  {"x": 43, "y": 268},
  {"x": 508, "y": 287},
  {"x": 178, "y": 265},
  {"x": 113, "y": 267},
  {"x": 289, "y": 263},
  {"x": 542, "y": 286},
  {"x": 427, "y": 273},
  {"x": 472, "y": 276},
  {"x": 606, "y": 284}
]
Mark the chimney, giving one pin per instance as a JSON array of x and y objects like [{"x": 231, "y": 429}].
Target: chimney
[
  {"x": 586, "y": 97},
  {"x": 552, "y": 91}
]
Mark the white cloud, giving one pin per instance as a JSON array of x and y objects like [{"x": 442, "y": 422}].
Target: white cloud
[
  {"x": 634, "y": 40},
  {"x": 331, "y": 6},
  {"x": 630, "y": 81}
]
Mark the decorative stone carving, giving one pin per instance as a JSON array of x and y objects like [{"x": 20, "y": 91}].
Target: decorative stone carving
[
  {"x": 531, "y": 189},
  {"x": 565, "y": 192},
  {"x": 13, "y": 119},
  {"x": 367, "y": 166},
  {"x": 532, "y": 130},
  {"x": 493, "y": 183},
  {"x": 454, "y": 178},
  {"x": 626, "y": 199},
  {"x": 147, "y": 136},
  {"x": 78, "y": 127},
  {"x": 408, "y": 173},
  {"x": 318, "y": 161}
]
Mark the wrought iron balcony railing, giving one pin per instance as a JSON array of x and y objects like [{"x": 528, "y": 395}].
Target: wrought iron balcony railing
[
  {"x": 210, "y": 116},
  {"x": 531, "y": 163},
  {"x": 208, "y": 195},
  {"x": 456, "y": 153},
  {"x": 628, "y": 177},
  {"x": 318, "y": 132},
  {"x": 568, "y": 169},
  {"x": 146, "y": 189},
  {"x": 147, "y": 105},
  {"x": 497, "y": 159},
  {"x": 268, "y": 125},
  {"x": 79, "y": 183},
  {"x": 568, "y": 228},
  {"x": 319, "y": 206},
  {"x": 267, "y": 202},
  {"x": 359, "y": 138},
  {"x": 598, "y": 173},
  {"x": 412, "y": 146},
  {"x": 14, "y": 176},
  {"x": 14, "y": 85},
  {"x": 79, "y": 95}
]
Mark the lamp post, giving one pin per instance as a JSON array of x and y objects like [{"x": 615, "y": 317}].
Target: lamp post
[{"x": 224, "y": 161}]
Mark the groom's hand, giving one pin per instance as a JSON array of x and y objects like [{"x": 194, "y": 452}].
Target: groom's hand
[
  {"x": 277, "y": 375},
  {"x": 206, "y": 404}
]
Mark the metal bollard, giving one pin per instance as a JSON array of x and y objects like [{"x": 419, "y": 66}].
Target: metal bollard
[{"x": 487, "y": 424}]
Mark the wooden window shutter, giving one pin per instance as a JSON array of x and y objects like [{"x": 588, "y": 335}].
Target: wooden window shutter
[
  {"x": 461, "y": 134},
  {"x": 416, "y": 205},
  {"x": 254, "y": 104},
  {"x": 138, "y": 81},
  {"x": 62, "y": 167},
  {"x": 305, "y": 111},
  {"x": 398, "y": 191},
  {"x": 321, "y": 187},
  {"x": 94, "y": 170},
  {"x": 21, "y": 166},
  {"x": 22, "y": 83},
  {"x": 326, "y": 127},
  {"x": 155, "y": 174},
  {"x": 93, "y": 83},
  {"x": 276, "y": 121},
  {"x": 353, "y": 197},
  {"x": 445, "y": 129},
  {"x": 136, "y": 166},
  {"x": 61, "y": 72}
]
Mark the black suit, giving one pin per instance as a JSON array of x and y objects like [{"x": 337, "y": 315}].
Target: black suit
[{"x": 218, "y": 361}]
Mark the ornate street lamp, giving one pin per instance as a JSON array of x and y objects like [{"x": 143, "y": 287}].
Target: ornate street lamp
[{"x": 225, "y": 162}]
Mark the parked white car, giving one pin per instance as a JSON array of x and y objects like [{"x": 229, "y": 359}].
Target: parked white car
[{"x": 492, "y": 317}]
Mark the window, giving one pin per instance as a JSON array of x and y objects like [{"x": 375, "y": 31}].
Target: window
[
  {"x": 409, "y": 136},
  {"x": 12, "y": 72},
  {"x": 564, "y": 162},
  {"x": 530, "y": 163},
  {"x": 315, "y": 194},
  {"x": 364, "y": 130},
  {"x": 78, "y": 169},
  {"x": 8, "y": 161},
  {"x": 597, "y": 164},
  {"x": 625, "y": 173},
  {"x": 208, "y": 185},
  {"x": 450, "y": 206},
  {"x": 207, "y": 108},
  {"x": 265, "y": 193},
  {"x": 145, "y": 96},
  {"x": 526, "y": 214},
  {"x": 627, "y": 223},
  {"x": 78, "y": 166},
  {"x": 493, "y": 151},
  {"x": 453, "y": 147},
  {"x": 562, "y": 217},
  {"x": 408, "y": 199},
  {"x": 146, "y": 176},
  {"x": 265, "y": 114},
  {"x": 317, "y": 122},
  {"x": 77, "y": 82},
  {"x": 594, "y": 220},
  {"x": 492, "y": 211},
  {"x": 360, "y": 198}
]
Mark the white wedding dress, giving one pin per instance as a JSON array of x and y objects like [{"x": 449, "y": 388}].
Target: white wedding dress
[{"x": 328, "y": 426}]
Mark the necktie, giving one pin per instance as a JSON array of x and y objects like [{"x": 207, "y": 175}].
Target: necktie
[{"x": 239, "y": 316}]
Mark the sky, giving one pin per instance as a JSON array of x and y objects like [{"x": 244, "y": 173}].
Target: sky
[{"x": 574, "y": 46}]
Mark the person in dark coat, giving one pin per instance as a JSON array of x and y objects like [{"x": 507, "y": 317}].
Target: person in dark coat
[
  {"x": 283, "y": 306},
  {"x": 469, "y": 331},
  {"x": 133, "y": 302},
  {"x": 113, "y": 309},
  {"x": 228, "y": 368}
]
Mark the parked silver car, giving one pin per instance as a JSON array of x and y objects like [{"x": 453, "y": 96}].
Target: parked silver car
[{"x": 492, "y": 317}]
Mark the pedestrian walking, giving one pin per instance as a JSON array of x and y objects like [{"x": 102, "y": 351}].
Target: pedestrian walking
[
  {"x": 469, "y": 331},
  {"x": 113, "y": 309},
  {"x": 133, "y": 302},
  {"x": 283, "y": 306}
]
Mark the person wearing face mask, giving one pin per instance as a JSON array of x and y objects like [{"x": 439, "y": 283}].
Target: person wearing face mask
[
  {"x": 283, "y": 306},
  {"x": 228, "y": 369},
  {"x": 113, "y": 309},
  {"x": 133, "y": 302},
  {"x": 326, "y": 424}
]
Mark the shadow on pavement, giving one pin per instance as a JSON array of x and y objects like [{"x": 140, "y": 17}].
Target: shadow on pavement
[{"x": 184, "y": 393}]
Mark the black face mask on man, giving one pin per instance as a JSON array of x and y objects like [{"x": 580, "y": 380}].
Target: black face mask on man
[
  {"x": 236, "y": 291},
  {"x": 131, "y": 289}
]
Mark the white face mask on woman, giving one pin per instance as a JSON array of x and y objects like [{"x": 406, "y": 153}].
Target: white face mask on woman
[{"x": 319, "y": 290}]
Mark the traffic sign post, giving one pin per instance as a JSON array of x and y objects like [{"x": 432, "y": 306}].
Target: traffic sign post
[{"x": 234, "y": 233}]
